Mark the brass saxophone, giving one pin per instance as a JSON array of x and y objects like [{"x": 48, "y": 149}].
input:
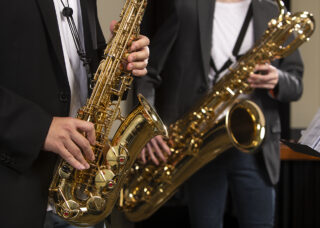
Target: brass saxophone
[
  {"x": 219, "y": 121},
  {"x": 86, "y": 197}
]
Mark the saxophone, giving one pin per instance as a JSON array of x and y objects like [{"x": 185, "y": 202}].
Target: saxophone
[
  {"x": 86, "y": 197},
  {"x": 219, "y": 121}
]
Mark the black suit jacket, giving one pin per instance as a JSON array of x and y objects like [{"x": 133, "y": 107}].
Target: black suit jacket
[
  {"x": 33, "y": 88},
  {"x": 179, "y": 66}
]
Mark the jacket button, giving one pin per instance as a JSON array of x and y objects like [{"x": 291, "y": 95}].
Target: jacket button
[{"x": 63, "y": 97}]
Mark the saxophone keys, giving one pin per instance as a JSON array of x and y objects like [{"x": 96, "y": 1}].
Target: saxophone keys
[
  {"x": 96, "y": 204},
  {"x": 131, "y": 40},
  {"x": 103, "y": 178},
  {"x": 146, "y": 193},
  {"x": 112, "y": 157},
  {"x": 122, "y": 159},
  {"x": 125, "y": 57},
  {"x": 111, "y": 184},
  {"x": 166, "y": 175},
  {"x": 69, "y": 209},
  {"x": 65, "y": 171}
]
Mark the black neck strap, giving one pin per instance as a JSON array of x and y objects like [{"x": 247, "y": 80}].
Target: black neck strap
[
  {"x": 68, "y": 12},
  {"x": 237, "y": 46}
]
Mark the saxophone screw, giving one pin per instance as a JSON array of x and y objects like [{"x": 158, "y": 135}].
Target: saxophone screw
[
  {"x": 122, "y": 160},
  {"x": 111, "y": 185}
]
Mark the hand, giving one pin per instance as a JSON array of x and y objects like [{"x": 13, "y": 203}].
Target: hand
[
  {"x": 268, "y": 80},
  {"x": 156, "y": 145},
  {"x": 66, "y": 138},
  {"x": 138, "y": 59},
  {"x": 139, "y": 54}
]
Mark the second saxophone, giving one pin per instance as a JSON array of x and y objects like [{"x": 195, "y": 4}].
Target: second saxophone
[{"x": 218, "y": 122}]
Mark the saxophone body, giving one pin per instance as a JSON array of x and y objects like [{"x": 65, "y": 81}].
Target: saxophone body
[
  {"x": 86, "y": 197},
  {"x": 218, "y": 122}
]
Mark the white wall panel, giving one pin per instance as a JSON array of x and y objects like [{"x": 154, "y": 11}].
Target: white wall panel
[{"x": 303, "y": 111}]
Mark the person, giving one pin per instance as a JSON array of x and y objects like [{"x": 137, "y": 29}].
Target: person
[
  {"x": 43, "y": 82},
  {"x": 184, "y": 64}
]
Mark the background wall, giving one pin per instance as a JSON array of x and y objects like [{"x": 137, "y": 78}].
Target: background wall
[
  {"x": 108, "y": 10},
  {"x": 302, "y": 111}
]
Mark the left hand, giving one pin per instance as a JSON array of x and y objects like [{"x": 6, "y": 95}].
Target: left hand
[
  {"x": 139, "y": 54},
  {"x": 138, "y": 59},
  {"x": 266, "y": 77}
]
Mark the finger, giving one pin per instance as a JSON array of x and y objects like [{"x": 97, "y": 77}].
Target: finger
[
  {"x": 139, "y": 73},
  {"x": 257, "y": 78},
  {"x": 76, "y": 152},
  {"x": 262, "y": 67},
  {"x": 112, "y": 25},
  {"x": 142, "y": 42},
  {"x": 143, "y": 156},
  {"x": 137, "y": 65},
  {"x": 263, "y": 86},
  {"x": 88, "y": 128},
  {"x": 164, "y": 145},
  {"x": 68, "y": 157},
  {"x": 151, "y": 154},
  {"x": 83, "y": 144},
  {"x": 157, "y": 150},
  {"x": 140, "y": 55}
]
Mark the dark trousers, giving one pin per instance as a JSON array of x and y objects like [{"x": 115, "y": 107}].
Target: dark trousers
[
  {"x": 54, "y": 221},
  {"x": 245, "y": 177}
]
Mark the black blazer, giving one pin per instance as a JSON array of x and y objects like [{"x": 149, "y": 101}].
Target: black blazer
[
  {"x": 179, "y": 66},
  {"x": 33, "y": 88}
]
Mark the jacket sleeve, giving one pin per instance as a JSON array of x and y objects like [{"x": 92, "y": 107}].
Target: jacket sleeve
[
  {"x": 160, "y": 24},
  {"x": 23, "y": 126},
  {"x": 290, "y": 84}
]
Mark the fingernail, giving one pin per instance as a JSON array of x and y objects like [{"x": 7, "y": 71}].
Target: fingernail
[{"x": 81, "y": 167}]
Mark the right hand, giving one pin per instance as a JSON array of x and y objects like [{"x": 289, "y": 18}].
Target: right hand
[
  {"x": 71, "y": 139},
  {"x": 157, "y": 146}
]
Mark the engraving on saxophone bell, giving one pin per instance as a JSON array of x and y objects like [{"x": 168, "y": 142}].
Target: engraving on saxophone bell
[{"x": 218, "y": 122}]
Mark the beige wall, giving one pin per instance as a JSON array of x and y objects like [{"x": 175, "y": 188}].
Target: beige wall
[
  {"x": 108, "y": 10},
  {"x": 303, "y": 110}
]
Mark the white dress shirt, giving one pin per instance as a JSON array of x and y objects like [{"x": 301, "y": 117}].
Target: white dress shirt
[
  {"x": 227, "y": 23},
  {"x": 76, "y": 72}
]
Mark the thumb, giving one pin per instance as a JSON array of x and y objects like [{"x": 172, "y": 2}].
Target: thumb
[{"x": 112, "y": 26}]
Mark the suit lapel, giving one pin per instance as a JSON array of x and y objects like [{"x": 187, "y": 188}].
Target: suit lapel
[
  {"x": 205, "y": 14},
  {"x": 49, "y": 16},
  {"x": 89, "y": 25}
]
